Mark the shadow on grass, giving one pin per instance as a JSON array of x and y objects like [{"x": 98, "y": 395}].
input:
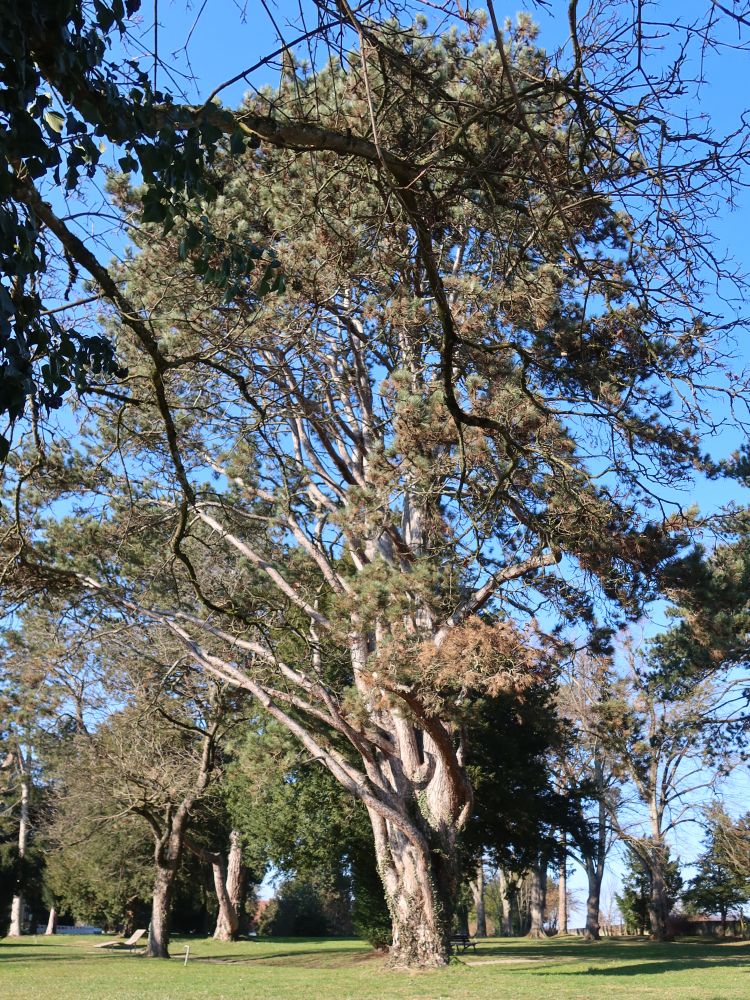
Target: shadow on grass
[
  {"x": 8, "y": 955},
  {"x": 311, "y": 957},
  {"x": 649, "y": 959},
  {"x": 547, "y": 950},
  {"x": 611, "y": 957},
  {"x": 676, "y": 965},
  {"x": 603, "y": 950},
  {"x": 8, "y": 944}
]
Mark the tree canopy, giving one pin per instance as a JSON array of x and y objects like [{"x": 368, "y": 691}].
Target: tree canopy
[{"x": 387, "y": 501}]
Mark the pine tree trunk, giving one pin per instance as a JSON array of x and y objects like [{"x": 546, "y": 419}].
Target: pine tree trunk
[
  {"x": 16, "y": 909},
  {"x": 51, "y": 922},
  {"x": 161, "y": 908},
  {"x": 415, "y": 786},
  {"x": 538, "y": 899},
  {"x": 477, "y": 891},
  {"x": 593, "y": 898},
  {"x": 420, "y": 886},
  {"x": 562, "y": 895},
  {"x": 421, "y": 936},
  {"x": 424, "y": 803},
  {"x": 594, "y": 862},
  {"x": 658, "y": 904}
]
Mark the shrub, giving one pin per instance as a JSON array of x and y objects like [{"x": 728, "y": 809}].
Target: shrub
[{"x": 297, "y": 911}]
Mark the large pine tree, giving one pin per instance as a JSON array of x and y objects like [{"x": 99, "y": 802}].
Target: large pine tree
[{"x": 387, "y": 489}]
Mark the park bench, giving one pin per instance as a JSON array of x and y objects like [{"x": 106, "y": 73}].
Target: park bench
[
  {"x": 463, "y": 941},
  {"x": 129, "y": 944}
]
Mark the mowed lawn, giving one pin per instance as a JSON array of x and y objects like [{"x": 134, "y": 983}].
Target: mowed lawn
[{"x": 68, "y": 968}]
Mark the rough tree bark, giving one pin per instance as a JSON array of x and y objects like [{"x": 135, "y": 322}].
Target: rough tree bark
[
  {"x": 538, "y": 898},
  {"x": 593, "y": 896},
  {"x": 51, "y": 922},
  {"x": 167, "y": 863},
  {"x": 477, "y": 891},
  {"x": 420, "y": 882},
  {"x": 659, "y": 904}
]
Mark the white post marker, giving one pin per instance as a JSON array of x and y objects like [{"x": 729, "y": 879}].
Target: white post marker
[{"x": 187, "y": 954}]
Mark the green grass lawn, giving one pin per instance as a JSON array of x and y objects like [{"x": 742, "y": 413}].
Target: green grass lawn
[{"x": 68, "y": 968}]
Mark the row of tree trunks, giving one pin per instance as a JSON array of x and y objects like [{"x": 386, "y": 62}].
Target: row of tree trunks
[{"x": 659, "y": 903}]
